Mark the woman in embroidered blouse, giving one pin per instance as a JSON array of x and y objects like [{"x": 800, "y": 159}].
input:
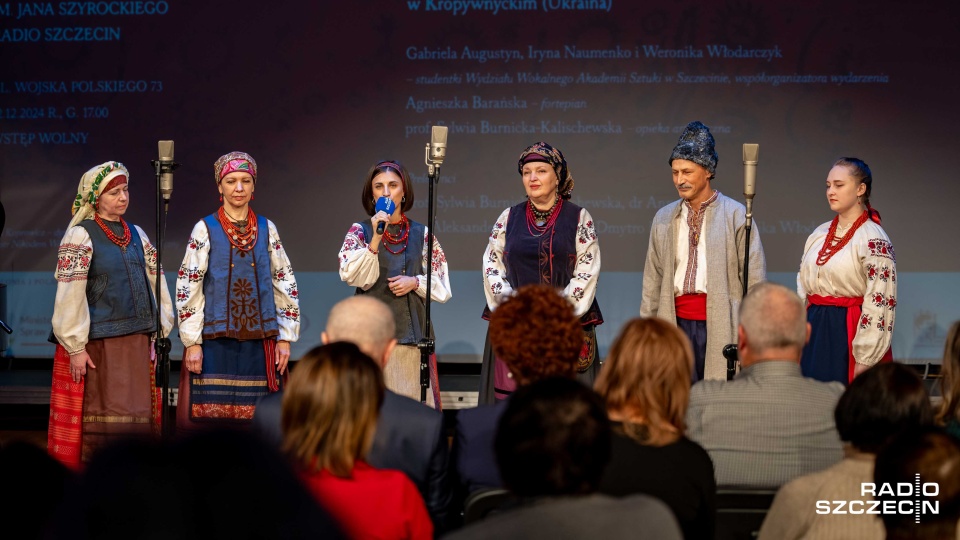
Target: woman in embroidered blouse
[
  {"x": 238, "y": 304},
  {"x": 545, "y": 239},
  {"x": 391, "y": 264},
  {"x": 103, "y": 320},
  {"x": 848, "y": 274},
  {"x": 329, "y": 415}
]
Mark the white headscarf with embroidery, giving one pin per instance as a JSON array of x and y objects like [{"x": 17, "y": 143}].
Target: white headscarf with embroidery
[{"x": 91, "y": 186}]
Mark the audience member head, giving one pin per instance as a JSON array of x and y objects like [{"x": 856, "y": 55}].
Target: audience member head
[
  {"x": 553, "y": 439},
  {"x": 330, "y": 408},
  {"x": 950, "y": 381},
  {"x": 216, "y": 484},
  {"x": 645, "y": 381},
  {"x": 773, "y": 325},
  {"x": 881, "y": 402},
  {"x": 935, "y": 457},
  {"x": 35, "y": 485},
  {"x": 536, "y": 334},
  {"x": 364, "y": 321}
]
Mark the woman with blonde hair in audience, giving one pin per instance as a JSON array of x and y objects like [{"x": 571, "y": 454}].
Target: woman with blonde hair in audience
[
  {"x": 330, "y": 411},
  {"x": 645, "y": 383},
  {"x": 949, "y": 413}
]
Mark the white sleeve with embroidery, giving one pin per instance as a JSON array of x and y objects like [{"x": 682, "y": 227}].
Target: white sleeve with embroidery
[
  {"x": 71, "y": 314},
  {"x": 440, "y": 279},
  {"x": 583, "y": 284},
  {"x": 190, "y": 300},
  {"x": 495, "y": 284},
  {"x": 875, "y": 329},
  {"x": 285, "y": 293},
  {"x": 359, "y": 267},
  {"x": 150, "y": 260}
]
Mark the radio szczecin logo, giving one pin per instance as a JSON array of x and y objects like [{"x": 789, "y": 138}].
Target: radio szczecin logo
[{"x": 901, "y": 498}]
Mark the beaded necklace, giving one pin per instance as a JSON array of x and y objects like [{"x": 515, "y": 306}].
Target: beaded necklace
[
  {"x": 120, "y": 241},
  {"x": 541, "y": 216},
  {"x": 242, "y": 238},
  {"x": 536, "y": 224},
  {"x": 830, "y": 248},
  {"x": 403, "y": 235}
]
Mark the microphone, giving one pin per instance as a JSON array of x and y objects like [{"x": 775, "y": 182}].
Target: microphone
[
  {"x": 387, "y": 205},
  {"x": 751, "y": 156},
  {"x": 438, "y": 145},
  {"x": 166, "y": 176}
]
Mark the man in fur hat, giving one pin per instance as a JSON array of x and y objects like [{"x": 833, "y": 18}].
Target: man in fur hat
[{"x": 693, "y": 276}]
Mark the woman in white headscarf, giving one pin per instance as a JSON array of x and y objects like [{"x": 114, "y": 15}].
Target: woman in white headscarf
[{"x": 104, "y": 319}]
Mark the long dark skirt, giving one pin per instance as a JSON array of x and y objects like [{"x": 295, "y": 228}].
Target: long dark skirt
[
  {"x": 826, "y": 356},
  {"x": 232, "y": 378},
  {"x": 495, "y": 385}
]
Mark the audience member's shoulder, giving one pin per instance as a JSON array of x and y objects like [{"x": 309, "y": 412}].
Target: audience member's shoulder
[
  {"x": 706, "y": 388},
  {"x": 692, "y": 448},
  {"x": 481, "y": 414},
  {"x": 409, "y": 407},
  {"x": 642, "y": 512},
  {"x": 831, "y": 388}
]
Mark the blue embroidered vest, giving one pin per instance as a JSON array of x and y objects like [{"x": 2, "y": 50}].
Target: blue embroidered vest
[
  {"x": 549, "y": 259},
  {"x": 409, "y": 311},
  {"x": 238, "y": 287},
  {"x": 118, "y": 293}
]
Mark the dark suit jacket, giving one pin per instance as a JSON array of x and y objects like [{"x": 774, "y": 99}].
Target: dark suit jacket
[
  {"x": 409, "y": 438},
  {"x": 473, "y": 457}
]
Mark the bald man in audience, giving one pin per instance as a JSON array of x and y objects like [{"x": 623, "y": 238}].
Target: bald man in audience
[
  {"x": 770, "y": 424},
  {"x": 409, "y": 435}
]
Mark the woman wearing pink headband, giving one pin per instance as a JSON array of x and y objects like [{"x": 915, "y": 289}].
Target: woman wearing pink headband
[
  {"x": 238, "y": 305},
  {"x": 103, "y": 320},
  {"x": 390, "y": 264}
]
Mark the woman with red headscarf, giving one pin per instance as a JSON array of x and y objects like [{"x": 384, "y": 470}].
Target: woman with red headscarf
[
  {"x": 103, "y": 320},
  {"x": 238, "y": 305},
  {"x": 848, "y": 276}
]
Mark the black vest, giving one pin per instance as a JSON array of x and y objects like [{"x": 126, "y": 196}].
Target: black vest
[{"x": 550, "y": 258}]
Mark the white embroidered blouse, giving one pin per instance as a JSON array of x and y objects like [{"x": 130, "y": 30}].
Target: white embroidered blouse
[
  {"x": 583, "y": 284},
  {"x": 360, "y": 267},
  {"x": 866, "y": 267},
  {"x": 190, "y": 298},
  {"x": 71, "y": 313}
]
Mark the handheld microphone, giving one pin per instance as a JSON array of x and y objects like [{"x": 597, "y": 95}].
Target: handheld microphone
[
  {"x": 438, "y": 145},
  {"x": 751, "y": 156},
  {"x": 166, "y": 176},
  {"x": 384, "y": 204}
]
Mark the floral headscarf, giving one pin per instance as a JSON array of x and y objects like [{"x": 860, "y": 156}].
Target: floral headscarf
[
  {"x": 233, "y": 162},
  {"x": 95, "y": 181},
  {"x": 555, "y": 158}
]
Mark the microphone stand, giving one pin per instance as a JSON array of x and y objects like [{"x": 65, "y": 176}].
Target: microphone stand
[
  {"x": 162, "y": 343},
  {"x": 427, "y": 344},
  {"x": 730, "y": 351}
]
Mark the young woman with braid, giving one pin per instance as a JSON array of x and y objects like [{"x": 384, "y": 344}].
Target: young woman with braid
[{"x": 848, "y": 275}]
